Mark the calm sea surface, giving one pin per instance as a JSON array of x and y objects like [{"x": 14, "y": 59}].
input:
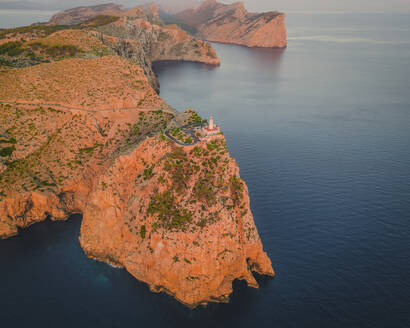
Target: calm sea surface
[
  {"x": 321, "y": 132},
  {"x": 14, "y": 18}
]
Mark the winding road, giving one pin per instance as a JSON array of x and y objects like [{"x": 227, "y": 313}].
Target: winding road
[{"x": 188, "y": 129}]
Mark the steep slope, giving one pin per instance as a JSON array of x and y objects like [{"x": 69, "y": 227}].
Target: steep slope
[
  {"x": 145, "y": 43},
  {"x": 158, "y": 42},
  {"x": 217, "y": 22}
]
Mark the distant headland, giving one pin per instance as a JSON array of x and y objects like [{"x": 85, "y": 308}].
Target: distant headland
[{"x": 217, "y": 22}]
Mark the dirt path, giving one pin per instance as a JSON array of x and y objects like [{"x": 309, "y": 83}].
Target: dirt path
[{"x": 57, "y": 106}]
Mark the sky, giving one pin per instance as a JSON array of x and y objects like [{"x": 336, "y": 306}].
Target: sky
[{"x": 252, "y": 5}]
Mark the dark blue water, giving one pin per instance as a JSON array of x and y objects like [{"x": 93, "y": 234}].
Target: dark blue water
[{"x": 321, "y": 132}]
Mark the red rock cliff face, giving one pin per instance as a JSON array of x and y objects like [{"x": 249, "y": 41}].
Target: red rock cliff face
[
  {"x": 233, "y": 24},
  {"x": 184, "y": 228}
]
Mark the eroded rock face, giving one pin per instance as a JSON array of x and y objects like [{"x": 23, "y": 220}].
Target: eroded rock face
[
  {"x": 139, "y": 34},
  {"x": 157, "y": 42},
  {"x": 176, "y": 218},
  {"x": 217, "y": 22}
]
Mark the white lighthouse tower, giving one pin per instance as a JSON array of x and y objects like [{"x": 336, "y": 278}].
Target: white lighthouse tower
[{"x": 211, "y": 125}]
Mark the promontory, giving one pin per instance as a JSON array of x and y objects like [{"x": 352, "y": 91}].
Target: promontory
[
  {"x": 217, "y": 22},
  {"x": 83, "y": 130}
]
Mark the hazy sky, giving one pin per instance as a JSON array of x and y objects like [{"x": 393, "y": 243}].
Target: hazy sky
[{"x": 258, "y": 5}]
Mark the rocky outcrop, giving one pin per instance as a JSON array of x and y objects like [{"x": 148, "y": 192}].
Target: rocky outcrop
[
  {"x": 158, "y": 42},
  {"x": 217, "y": 22},
  {"x": 177, "y": 219}
]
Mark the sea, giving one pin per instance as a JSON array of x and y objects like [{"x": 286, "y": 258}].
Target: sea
[{"x": 321, "y": 132}]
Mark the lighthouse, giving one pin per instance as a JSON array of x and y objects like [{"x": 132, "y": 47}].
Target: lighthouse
[
  {"x": 211, "y": 125},
  {"x": 212, "y": 128}
]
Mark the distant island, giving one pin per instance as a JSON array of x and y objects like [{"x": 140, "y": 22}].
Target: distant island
[{"x": 83, "y": 130}]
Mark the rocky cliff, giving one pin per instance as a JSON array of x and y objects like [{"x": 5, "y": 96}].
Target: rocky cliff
[
  {"x": 217, "y": 22},
  {"x": 83, "y": 132},
  {"x": 140, "y": 35},
  {"x": 177, "y": 219}
]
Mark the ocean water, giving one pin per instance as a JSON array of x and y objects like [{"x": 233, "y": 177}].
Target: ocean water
[
  {"x": 14, "y": 17},
  {"x": 321, "y": 132}
]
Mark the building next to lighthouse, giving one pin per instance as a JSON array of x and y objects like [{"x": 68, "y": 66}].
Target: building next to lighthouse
[{"x": 212, "y": 129}]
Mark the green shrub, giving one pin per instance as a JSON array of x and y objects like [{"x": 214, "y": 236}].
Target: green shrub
[
  {"x": 7, "y": 151},
  {"x": 65, "y": 50},
  {"x": 203, "y": 190},
  {"x": 100, "y": 20},
  {"x": 148, "y": 173},
  {"x": 12, "y": 48},
  {"x": 163, "y": 36},
  {"x": 236, "y": 185},
  {"x": 143, "y": 231},
  {"x": 163, "y": 206},
  {"x": 35, "y": 29}
]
